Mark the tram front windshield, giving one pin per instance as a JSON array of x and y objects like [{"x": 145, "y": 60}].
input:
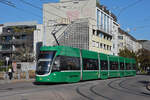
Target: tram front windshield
[{"x": 44, "y": 62}]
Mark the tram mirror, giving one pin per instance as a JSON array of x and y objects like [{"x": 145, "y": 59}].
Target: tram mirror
[
  {"x": 56, "y": 62},
  {"x": 48, "y": 65}
]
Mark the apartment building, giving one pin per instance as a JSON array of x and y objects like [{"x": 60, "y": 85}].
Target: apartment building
[
  {"x": 83, "y": 24},
  {"x": 145, "y": 44},
  {"x": 19, "y": 40},
  {"x": 128, "y": 41}
]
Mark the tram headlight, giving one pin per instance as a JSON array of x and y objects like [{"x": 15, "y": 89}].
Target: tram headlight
[{"x": 40, "y": 79}]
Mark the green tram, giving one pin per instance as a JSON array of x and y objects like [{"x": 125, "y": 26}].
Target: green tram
[{"x": 67, "y": 64}]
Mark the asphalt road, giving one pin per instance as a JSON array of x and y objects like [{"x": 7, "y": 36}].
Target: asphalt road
[{"x": 128, "y": 88}]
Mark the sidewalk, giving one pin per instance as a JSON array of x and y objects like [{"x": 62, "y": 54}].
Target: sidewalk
[{"x": 15, "y": 81}]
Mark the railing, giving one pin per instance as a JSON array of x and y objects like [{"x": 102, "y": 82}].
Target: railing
[
  {"x": 15, "y": 41},
  {"x": 13, "y": 33},
  {"x": 101, "y": 27},
  {"x": 69, "y": 26},
  {"x": 6, "y": 50}
]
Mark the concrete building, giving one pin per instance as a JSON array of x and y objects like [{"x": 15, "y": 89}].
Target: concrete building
[
  {"x": 83, "y": 24},
  {"x": 128, "y": 41},
  {"x": 115, "y": 39},
  {"x": 145, "y": 44},
  {"x": 17, "y": 37}
]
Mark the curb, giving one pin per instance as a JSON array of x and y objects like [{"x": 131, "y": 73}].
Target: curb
[{"x": 15, "y": 81}]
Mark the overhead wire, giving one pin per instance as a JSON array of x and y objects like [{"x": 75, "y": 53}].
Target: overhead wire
[
  {"x": 9, "y": 3},
  {"x": 40, "y": 8},
  {"x": 6, "y": 2},
  {"x": 22, "y": 10},
  {"x": 128, "y": 6}
]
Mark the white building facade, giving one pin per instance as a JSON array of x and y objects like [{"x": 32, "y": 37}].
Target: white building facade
[
  {"x": 101, "y": 24},
  {"x": 128, "y": 41}
]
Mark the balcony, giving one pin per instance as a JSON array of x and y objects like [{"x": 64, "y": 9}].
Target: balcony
[
  {"x": 19, "y": 41},
  {"x": 15, "y": 41},
  {"x": 6, "y": 51},
  {"x": 106, "y": 31},
  {"x": 4, "y": 42},
  {"x": 14, "y": 34},
  {"x": 6, "y": 34}
]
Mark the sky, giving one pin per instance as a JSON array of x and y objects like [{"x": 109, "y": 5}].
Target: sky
[{"x": 133, "y": 15}]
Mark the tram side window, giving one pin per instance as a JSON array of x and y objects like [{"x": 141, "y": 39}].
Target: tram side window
[
  {"x": 113, "y": 65},
  {"x": 69, "y": 63},
  {"x": 121, "y": 66},
  {"x": 128, "y": 66},
  {"x": 104, "y": 65},
  {"x": 90, "y": 64},
  {"x": 134, "y": 66}
]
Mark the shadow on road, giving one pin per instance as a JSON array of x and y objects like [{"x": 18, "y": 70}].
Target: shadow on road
[
  {"x": 145, "y": 93},
  {"x": 144, "y": 82},
  {"x": 47, "y": 83}
]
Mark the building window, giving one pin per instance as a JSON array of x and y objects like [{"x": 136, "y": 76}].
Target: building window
[
  {"x": 111, "y": 26},
  {"x": 113, "y": 45},
  {"x": 93, "y": 43},
  {"x": 104, "y": 46},
  {"x": 101, "y": 45},
  {"x": 108, "y": 24},
  {"x": 120, "y": 37},
  {"x": 97, "y": 33},
  {"x": 101, "y": 35},
  {"x": 110, "y": 48},
  {"x": 107, "y": 47},
  {"x": 97, "y": 44},
  {"x": 102, "y": 18},
  {"x": 121, "y": 44},
  {"x": 98, "y": 18},
  {"x": 93, "y": 32},
  {"x": 104, "y": 36},
  {"x": 105, "y": 23},
  {"x": 107, "y": 38}
]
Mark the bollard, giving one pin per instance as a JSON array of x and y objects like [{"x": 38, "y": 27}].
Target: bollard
[
  {"x": 4, "y": 75},
  {"x": 18, "y": 75}
]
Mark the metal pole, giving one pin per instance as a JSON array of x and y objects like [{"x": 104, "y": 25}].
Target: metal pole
[
  {"x": 99, "y": 63},
  {"x": 81, "y": 66}
]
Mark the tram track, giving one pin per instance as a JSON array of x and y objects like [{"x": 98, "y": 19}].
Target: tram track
[
  {"x": 135, "y": 92},
  {"x": 81, "y": 93},
  {"x": 98, "y": 94},
  {"x": 92, "y": 90},
  {"x": 89, "y": 90},
  {"x": 125, "y": 89}
]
